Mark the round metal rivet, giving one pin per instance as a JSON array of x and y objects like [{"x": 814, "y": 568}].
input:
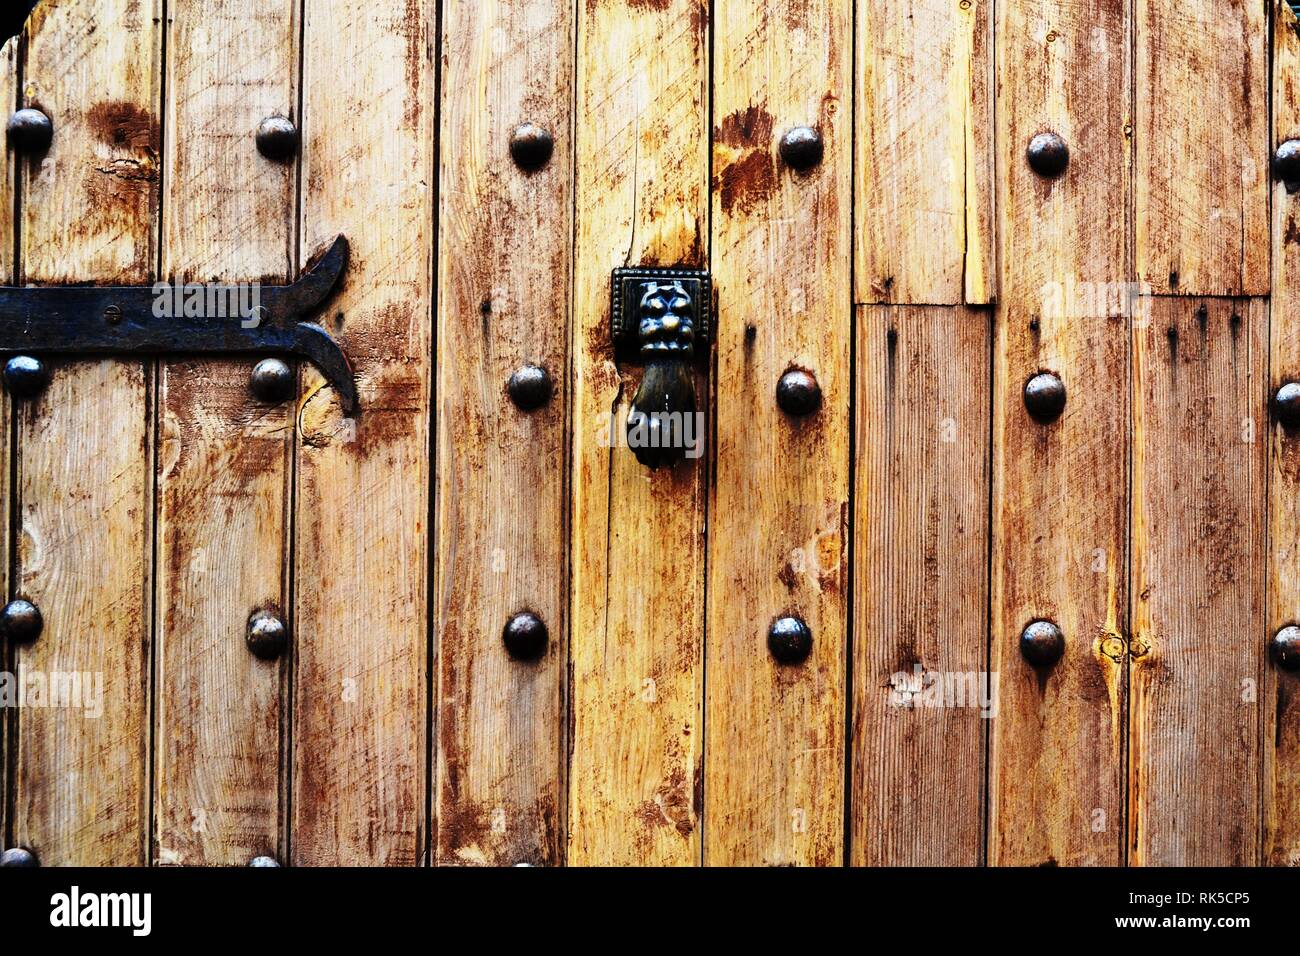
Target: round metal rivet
[
  {"x": 25, "y": 376},
  {"x": 531, "y": 146},
  {"x": 264, "y": 861},
  {"x": 1048, "y": 154},
  {"x": 530, "y": 387},
  {"x": 1286, "y": 161},
  {"x": 21, "y": 621},
  {"x": 19, "y": 856},
  {"x": 1286, "y": 405},
  {"x": 1042, "y": 643},
  {"x": 1286, "y": 648},
  {"x": 271, "y": 381},
  {"x": 797, "y": 392},
  {"x": 277, "y": 138},
  {"x": 267, "y": 636},
  {"x": 1045, "y": 397},
  {"x": 30, "y": 131},
  {"x": 789, "y": 641},
  {"x": 801, "y": 148},
  {"x": 525, "y": 636}
]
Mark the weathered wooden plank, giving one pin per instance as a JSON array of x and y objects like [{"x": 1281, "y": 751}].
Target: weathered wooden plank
[
  {"x": 1280, "y": 695},
  {"x": 85, "y": 504},
  {"x": 637, "y": 556},
  {"x": 924, "y": 169},
  {"x": 362, "y": 496},
  {"x": 229, "y": 215},
  {"x": 9, "y": 87},
  {"x": 504, "y": 274},
  {"x": 1198, "y": 653},
  {"x": 1059, "y": 490},
  {"x": 778, "y": 545},
  {"x": 1201, "y": 141},
  {"x": 921, "y": 693}
]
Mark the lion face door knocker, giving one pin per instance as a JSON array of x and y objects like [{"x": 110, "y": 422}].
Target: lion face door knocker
[{"x": 660, "y": 317}]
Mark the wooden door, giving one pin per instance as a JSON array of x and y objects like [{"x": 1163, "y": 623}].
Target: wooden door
[{"x": 808, "y": 641}]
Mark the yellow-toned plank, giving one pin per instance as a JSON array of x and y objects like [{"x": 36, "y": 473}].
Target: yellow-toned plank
[
  {"x": 229, "y": 215},
  {"x": 778, "y": 542},
  {"x": 85, "y": 494},
  {"x": 1059, "y": 500},
  {"x": 924, "y": 170},
  {"x": 1197, "y": 655},
  {"x": 637, "y": 536},
  {"x": 1280, "y": 697},
  {"x": 922, "y": 698},
  {"x": 504, "y": 274},
  {"x": 1201, "y": 142},
  {"x": 8, "y": 275},
  {"x": 362, "y": 497}
]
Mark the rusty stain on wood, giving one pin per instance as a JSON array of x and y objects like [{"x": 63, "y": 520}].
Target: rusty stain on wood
[
  {"x": 774, "y": 748},
  {"x": 504, "y": 275},
  {"x": 84, "y": 470},
  {"x": 224, "y": 459}
]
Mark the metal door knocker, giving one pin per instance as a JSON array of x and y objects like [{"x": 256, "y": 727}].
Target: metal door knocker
[{"x": 661, "y": 318}]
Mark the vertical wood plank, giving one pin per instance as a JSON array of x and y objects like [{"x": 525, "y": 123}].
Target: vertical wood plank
[
  {"x": 1201, "y": 211},
  {"x": 9, "y": 87},
  {"x": 641, "y": 197},
  {"x": 1198, "y": 580},
  {"x": 924, "y": 169},
  {"x": 504, "y": 276},
  {"x": 1059, "y": 490},
  {"x": 362, "y": 496},
  {"x": 774, "y": 753},
  {"x": 921, "y": 695},
  {"x": 229, "y": 215},
  {"x": 1280, "y": 696},
  {"x": 85, "y": 494}
]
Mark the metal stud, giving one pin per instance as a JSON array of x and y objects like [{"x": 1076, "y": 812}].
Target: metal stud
[
  {"x": 1286, "y": 164},
  {"x": 525, "y": 636},
  {"x": 267, "y": 636},
  {"x": 21, "y": 621},
  {"x": 530, "y": 387},
  {"x": 797, "y": 392},
  {"x": 1286, "y": 648},
  {"x": 789, "y": 640},
  {"x": 1048, "y": 155},
  {"x": 1045, "y": 397},
  {"x": 801, "y": 148},
  {"x": 277, "y": 138},
  {"x": 1042, "y": 643},
  {"x": 30, "y": 131},
  {"x": 271, "y": 381},
  {"x": 531, "y": 146},
  {"x": 1286, "y": 405},
  {"x": 19, "y": 856},
  {"x": 25, "y": 376},
  {"x": 268, "y": 861}
]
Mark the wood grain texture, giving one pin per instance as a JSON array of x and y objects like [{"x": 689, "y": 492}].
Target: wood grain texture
[
  {"x": 362, "y": 498},
  {"x": 9, "y": 91},
  {"x": 1198, "y": 649},
  {"x": 924, "y": 169},
  {"x": 85, "y": 499},
  {"x": 1280, "y": 695},
  {"x": 1059, "y": 490},
  {"x": 1201, "y": 138},
  {"x": 641, "y": 195},
  {"x": 778, "y": 542},
  {"x": 504, "y": 274},
  {"x": 229, "y": 215},
  {"x": 921, "y": 699}
]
